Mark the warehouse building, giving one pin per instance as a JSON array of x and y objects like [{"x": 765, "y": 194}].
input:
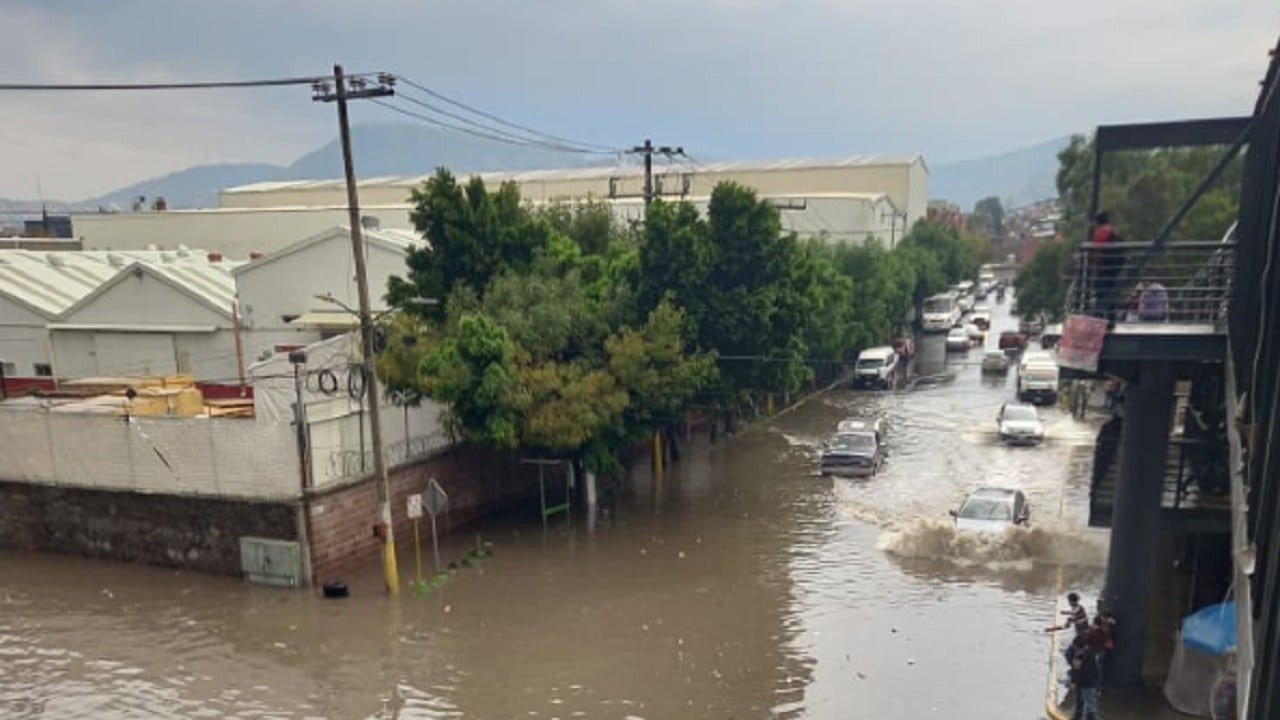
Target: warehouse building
[
  {"x": 37, "y": 288},
  {"x": 848, "y": 198},
  {"x": 170, "y": 315},
  {"x": 285, "y": 296}
]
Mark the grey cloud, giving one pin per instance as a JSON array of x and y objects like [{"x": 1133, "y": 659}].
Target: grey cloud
[{"x": 729, "y": 78}]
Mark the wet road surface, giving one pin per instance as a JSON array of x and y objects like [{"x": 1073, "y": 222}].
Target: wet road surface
[{"x": 744, "y": 586}]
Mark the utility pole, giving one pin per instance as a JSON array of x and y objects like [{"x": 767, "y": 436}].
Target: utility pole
[
  {"x": 356, "y": 88},
  {"x": 648, "y": 150}
]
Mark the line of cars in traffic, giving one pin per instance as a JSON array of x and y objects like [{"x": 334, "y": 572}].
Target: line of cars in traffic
[
  {"x": 994, "y": 509},
  {"x": 858, "y": 449}
]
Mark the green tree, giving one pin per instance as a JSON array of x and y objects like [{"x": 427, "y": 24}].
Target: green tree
[
  {"x": 957, "y": 255},
  {"x": 472, "y": 235},
  {"x": 547, "y": 315},
  {"x": 571, "y": 404},
  {"x": 1041, "y": 283},
  {"x": 988, "y": 217},
  {"x": 474, "y": 373},
  {"x": 1142, "y": 190},
  {"x": 653, "y": 364},
  {"x": 590, "y": 224}
]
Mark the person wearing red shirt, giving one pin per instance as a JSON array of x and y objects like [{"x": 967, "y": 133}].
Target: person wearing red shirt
[{"x": 1106, "y": 263}]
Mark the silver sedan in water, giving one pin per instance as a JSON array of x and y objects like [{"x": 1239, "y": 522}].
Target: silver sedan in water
[{"x": 1020, "y": 424}]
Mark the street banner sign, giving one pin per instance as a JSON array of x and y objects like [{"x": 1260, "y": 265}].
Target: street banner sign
[{"x": 1081, "y": 343}]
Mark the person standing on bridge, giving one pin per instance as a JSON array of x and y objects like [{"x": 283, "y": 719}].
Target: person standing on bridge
[{"x": 1106, "y": 263}]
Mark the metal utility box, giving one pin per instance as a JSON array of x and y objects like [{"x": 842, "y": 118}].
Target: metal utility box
[{"x": 271, "y": 562}]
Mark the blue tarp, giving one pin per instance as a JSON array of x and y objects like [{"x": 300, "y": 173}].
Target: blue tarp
[{"x": 1212, "y": 629}]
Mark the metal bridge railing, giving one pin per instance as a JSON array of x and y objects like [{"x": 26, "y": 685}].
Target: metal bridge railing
[
  {"x": 1195, "y": 477},
  {"x": 1183, "y": 282}
]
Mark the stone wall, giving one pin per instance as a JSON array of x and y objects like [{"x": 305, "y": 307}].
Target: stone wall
[
  {"x": 196, "y": 533},
  {"x": 477, "y": 482},
  {"x": 203, "y": 533}
]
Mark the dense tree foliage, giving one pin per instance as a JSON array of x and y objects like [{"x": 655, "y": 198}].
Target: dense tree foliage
[
  {"x": 1142, "y": 190},
  {"x": 988, "y": 218},
  {"x": 471, "y": 234},
  {"x": 562, "y": 333}
]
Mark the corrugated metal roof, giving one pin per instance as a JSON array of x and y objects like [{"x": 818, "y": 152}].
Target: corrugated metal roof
[
  {"x": 599, "y": 172},
  {"x": 49, "y": 283},
  {"x": 399, "y": 239}
]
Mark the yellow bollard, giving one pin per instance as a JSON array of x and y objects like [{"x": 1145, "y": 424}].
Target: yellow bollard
[
  {"x": 657, "y": 452},
  {"x": 389, "y": 569},
  {"x": 417, "y": 550}
]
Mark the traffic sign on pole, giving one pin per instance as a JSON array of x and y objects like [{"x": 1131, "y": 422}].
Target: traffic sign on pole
[{"x": 436, "y": 501}]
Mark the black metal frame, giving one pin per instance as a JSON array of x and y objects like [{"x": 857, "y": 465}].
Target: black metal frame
[
  {"x": 1253, "y": 333},
  {"x": 1255, "y": 344}
]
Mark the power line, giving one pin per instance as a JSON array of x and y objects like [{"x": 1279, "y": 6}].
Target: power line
[
  {"x": 490, "y": 130},
  {"x": 480, "y": 134},
  {"x": 269, "y": 82},
  {"x": 495, "y": 118}
]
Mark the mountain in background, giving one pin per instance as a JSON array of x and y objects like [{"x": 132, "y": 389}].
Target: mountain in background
[
  {"x": 194, "y": 187},
  {"x": 379, "y": 150},
  {"x": 1018, "y": 178}
]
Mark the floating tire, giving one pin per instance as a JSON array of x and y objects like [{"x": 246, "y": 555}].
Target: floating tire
[{"x": 336, "y": 590}]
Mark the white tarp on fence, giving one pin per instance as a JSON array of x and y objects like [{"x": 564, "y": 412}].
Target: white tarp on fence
[
  {"x": 338, "y": 423},
  {"x": 202, "y": 456}
]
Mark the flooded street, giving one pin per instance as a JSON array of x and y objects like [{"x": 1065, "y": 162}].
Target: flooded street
[{"x": 746, "y": 586}]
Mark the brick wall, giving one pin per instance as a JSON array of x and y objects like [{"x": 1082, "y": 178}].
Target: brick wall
[
  {"x": 178, "y": 531},
  {"x": 477, "y": 482}
]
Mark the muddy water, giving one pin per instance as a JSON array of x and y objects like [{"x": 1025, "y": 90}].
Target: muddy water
[{"x": 743, "y": 586}]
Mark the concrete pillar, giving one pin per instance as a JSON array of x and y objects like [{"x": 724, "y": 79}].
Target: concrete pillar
[
  {"x": 1135, "y": 519},
  {"x": 592, "y": 501},
  {"x": 591, "y": 491}
]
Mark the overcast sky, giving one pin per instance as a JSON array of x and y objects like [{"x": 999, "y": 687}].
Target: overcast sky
[{"x": 724, "y": 78}]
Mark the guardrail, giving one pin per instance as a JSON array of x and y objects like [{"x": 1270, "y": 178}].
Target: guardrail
[{"x": 1186, "y": 282}]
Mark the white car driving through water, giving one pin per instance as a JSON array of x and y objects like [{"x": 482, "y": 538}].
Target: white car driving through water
[
  {"x": 991, "y": 510},
  {"x": 1020, "y": 424},
  {"x": 959, "y": 339}
]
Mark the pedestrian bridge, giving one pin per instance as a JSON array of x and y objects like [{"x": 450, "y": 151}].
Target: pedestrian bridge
[{"x": 1166, "y": 303}]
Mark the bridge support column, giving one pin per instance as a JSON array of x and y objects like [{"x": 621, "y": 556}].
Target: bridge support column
[{"x": 1135, "y": 520}]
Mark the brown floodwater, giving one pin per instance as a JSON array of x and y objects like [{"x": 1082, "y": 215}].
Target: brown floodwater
[{"x": 744, "y": 586}]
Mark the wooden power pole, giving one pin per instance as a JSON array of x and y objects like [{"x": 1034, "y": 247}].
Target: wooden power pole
[
  {"x": 648, "y": 151},
  {"x": 344, "y": 89}
]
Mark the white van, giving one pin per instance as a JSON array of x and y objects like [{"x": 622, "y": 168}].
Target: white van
[
  {"x": 1038, "y": 382},
  {"x": 875, "y": 367},
  {"x": 940, "y": 313}
]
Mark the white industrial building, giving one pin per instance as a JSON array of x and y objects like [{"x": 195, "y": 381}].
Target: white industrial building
[
  {"x": 235, "y": 232},
  {"x": 38, "y": 288},
  {"x": 836, "y": 217},
  {"x": 280, "y": 294},
  {"x": 153, "y": 317},
  {"x": 154, "y": 312},
  {"x": 849, "y": 198}
]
